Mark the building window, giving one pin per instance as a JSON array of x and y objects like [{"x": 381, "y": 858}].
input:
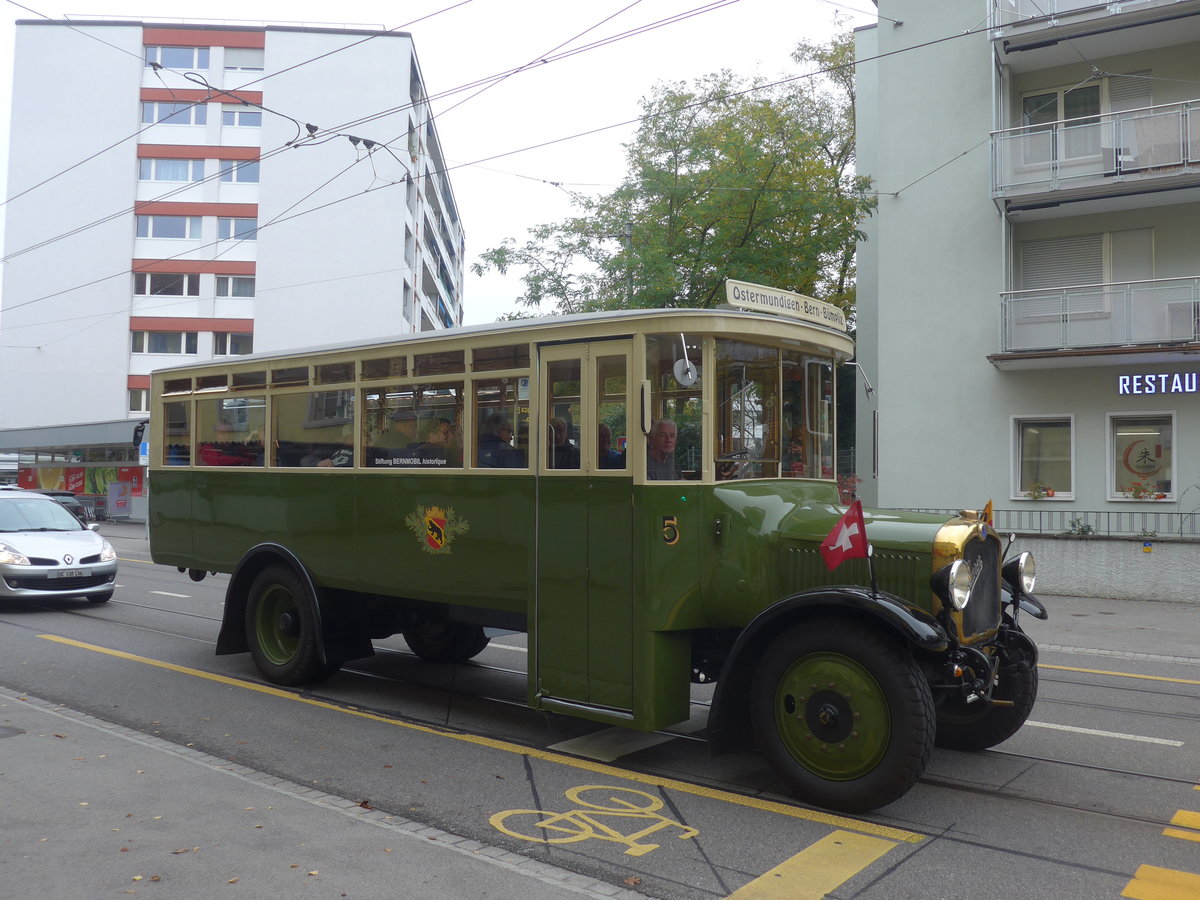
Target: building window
[
  {"x": 139, "y": 400},
  {"x": 241, "y": 118},
  {"x": 147, "y": 284},
  {"x": 229, "y": 343},
  {"x": 178, "y": 57},
  {"x": 243, "y": 170},
  {"x": 1076, "y": 138},
  {"x": 163, "y": 341},
  {"x": 166, "y": 113},
  {"x": 235, "y": 286},
  {"x": 1044, "y": 456},
  {"x": 237, "y": 229},
  {"x": 1142, "y": 457},
  {"x": 170, "y": 169},
  {"x": 168, "y": 227},
  {"x": 243, "y": 59}
]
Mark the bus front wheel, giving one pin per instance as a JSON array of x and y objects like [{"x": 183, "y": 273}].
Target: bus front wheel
[
  {"x": 843, "y": 714},
  {"x": 281, "y": 629},
  {"x": 446, "y": 642}
]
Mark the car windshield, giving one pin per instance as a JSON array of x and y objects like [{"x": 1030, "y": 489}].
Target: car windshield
[{"x": 35, "y": 514}]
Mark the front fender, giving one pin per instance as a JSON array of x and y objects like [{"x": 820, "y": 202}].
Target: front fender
[{"x": 729, "y": 718}]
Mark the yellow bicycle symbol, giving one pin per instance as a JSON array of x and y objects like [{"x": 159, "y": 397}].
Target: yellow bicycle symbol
[{"x": 623, "y": 805}]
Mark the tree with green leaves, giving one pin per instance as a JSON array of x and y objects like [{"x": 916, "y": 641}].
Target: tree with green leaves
[{"x": 727, "y": 178}]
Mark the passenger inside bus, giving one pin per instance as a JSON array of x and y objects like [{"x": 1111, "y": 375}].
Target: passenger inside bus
[
  {"x": 564, "y": 454},
  {"x": 398, "y": 443},
  {"x": 609, "y": 457},
  {"x": 495, "y": 445},
  {"x": 660, "y": 452}
]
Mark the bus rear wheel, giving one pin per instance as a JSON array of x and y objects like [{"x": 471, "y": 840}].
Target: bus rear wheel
[
  {"x": 446, "y": 642},
  {"x": 843, "y": 714},
  {"x": 281, "y": 629}
]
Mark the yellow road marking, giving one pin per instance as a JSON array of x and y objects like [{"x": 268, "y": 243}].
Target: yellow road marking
[
  {"x": 836, "y": 821},
  {"x": 1190, "y": 822},
  {"x": 1042, "y": 665},
  {"x": 818, "y": 869},
  {"x": 144, "y": 562},
  {"x": 1153, "y": 883}
]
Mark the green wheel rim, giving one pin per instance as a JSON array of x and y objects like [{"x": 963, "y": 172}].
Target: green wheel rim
[
  {"x": 832, "y": 716},
  {"x": 277, "y": 625}
]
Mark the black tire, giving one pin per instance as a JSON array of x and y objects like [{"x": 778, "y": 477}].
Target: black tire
[
  {"x": 281, "y": 629},
  {"x": 99, "y": 598},
  {"x": 975, "y": 726},
  {"x": 843, "y": 714},
  {"x": 447, "y": 642}
]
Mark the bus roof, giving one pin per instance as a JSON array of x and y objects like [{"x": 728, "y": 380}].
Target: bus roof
[{"x": 587, "y": 325}]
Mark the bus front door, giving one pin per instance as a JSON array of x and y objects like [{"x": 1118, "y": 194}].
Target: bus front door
[{"x": 581, "y": 629}]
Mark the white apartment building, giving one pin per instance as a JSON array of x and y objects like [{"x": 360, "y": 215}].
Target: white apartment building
[
  {"x": 179, "y": 192},
  {"x": 1029, "y": 287},
  {"x": 195, "y": 229}
]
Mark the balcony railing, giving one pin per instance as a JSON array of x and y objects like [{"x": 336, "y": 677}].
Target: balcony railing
[
  {"x": 1131, "y": 523},
  {"x": 1012, "y": 12},
  {"x": 1154, "y": 142},
  {"x": 1127, "y": 314}
]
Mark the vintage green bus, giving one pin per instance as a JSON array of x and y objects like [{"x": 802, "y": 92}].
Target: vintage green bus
[{"x": 643, "y": 493}]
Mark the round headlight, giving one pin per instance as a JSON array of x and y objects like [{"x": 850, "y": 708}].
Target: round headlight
[
  {"x": 1021, "y": 572},
  {"x": 953, "y": 584},
  {"x": 960, "y": 584}
]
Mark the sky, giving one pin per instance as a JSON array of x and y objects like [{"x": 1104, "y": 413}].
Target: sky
[{"x": 501, "y": 193}]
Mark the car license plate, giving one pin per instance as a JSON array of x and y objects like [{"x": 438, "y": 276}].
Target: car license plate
[{"x": 70, "y": 573}]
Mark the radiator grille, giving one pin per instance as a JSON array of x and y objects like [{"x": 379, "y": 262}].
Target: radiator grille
[{"x": 983, "y": 612}]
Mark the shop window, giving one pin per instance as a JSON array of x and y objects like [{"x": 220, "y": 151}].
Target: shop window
[
  {"x": 1044, "y": 454},
  {"x": 1142, "y": 456}
]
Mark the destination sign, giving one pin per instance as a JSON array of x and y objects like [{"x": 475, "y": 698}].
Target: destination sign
[{"x": 759, "y": 298}]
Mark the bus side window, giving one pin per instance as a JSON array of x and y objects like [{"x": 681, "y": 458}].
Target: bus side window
[
  {"x": 501, "y": 425},
  {"x": 563, "y": 386},
  {"x": 177, "y": 434},
  {"x": 676, "y": 404},
  {"x": 229, "y": 431},
  {"x": 611, "y": 430}
]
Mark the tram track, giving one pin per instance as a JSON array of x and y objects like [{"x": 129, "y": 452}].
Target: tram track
[{"x": 485, "y": 669}]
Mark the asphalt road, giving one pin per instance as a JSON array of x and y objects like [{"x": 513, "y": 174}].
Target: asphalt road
[{"x": 1096, "y": 797}]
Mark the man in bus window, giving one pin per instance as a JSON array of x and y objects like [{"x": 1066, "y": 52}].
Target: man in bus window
[
  {"x": 565, "y": 455},
  {"x": 660, "y": 453},
  {"x": 495, "y": 445},
  {"x": 608, "y": 457}
]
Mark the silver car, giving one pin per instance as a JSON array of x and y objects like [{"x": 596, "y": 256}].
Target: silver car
[{"x": 46, "y": 552}]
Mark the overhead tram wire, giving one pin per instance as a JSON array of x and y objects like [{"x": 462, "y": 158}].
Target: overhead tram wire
[
  {"x": 319, "y": 136},
  {"x": 138, "y": 133},
  {"x": 547, "y": 143}
]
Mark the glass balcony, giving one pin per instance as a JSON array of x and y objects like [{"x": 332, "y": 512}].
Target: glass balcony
[
  {"x": 1119, "y": 152},
  {"x": 1128, "y": 314}
]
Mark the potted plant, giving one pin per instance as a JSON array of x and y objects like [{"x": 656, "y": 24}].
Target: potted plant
[{"x": 1037, "y": 491}]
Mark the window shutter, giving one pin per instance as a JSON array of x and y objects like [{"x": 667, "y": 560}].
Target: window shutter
[{"x": 1062, "y": 261}]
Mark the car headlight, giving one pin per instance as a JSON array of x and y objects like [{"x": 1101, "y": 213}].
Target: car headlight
[
  {"x": 1021, "y": 572},
  {"x": 108, "y": 554},
  {"x": 953, "y": 584},
  {"x": 11, "y": 556}
]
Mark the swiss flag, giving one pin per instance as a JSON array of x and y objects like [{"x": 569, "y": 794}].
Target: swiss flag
[{"x": 848, "y": 538}]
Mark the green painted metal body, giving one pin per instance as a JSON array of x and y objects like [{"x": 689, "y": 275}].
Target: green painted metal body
[{"x": 611, "y": 578}]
